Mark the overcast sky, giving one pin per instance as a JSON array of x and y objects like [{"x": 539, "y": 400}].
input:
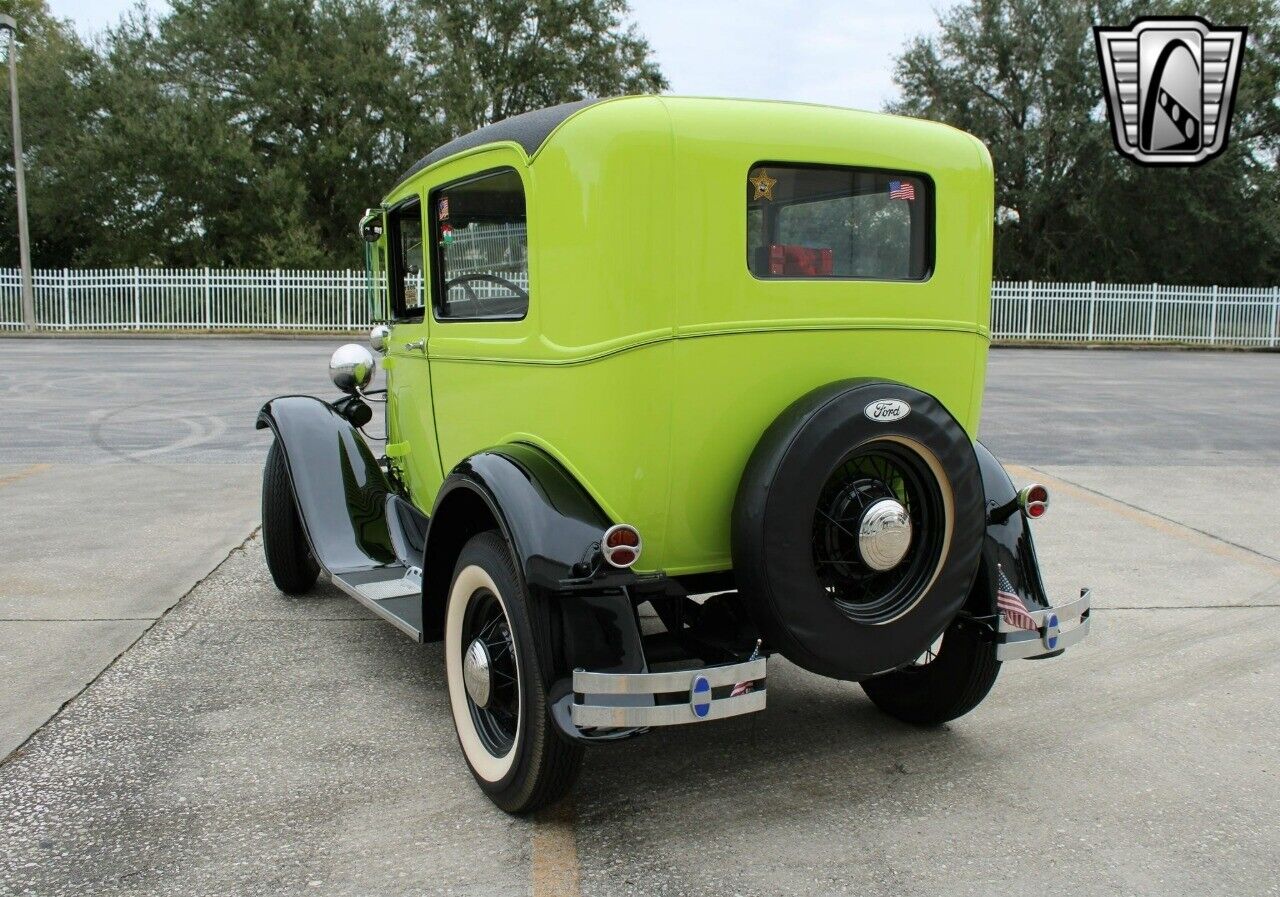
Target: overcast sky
[{"x": 822, "y": 51}]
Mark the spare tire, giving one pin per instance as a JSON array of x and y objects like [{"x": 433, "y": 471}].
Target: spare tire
[{"x": 857, "y": 527}]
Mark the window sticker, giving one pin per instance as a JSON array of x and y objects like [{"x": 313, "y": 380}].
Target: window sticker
[
  {"x": 763, "y": 184},
  {"x": 902, "y": 190},
  {"x": 446, "y": 235},
  {"x": 443, "y": 209}
]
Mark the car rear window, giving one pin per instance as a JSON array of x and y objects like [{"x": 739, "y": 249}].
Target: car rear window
[{"x": 820, "y": 222}]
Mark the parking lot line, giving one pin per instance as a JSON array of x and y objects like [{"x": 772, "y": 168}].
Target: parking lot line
[
  {"x": 555, "y": 853},
  {"x": 23, "y": 474},
  {"x": 1151, "y": 520}
]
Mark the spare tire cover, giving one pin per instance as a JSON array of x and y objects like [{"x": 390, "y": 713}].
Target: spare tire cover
[{"x": 798, "y": 597}]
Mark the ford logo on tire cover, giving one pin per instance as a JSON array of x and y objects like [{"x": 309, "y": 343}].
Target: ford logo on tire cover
[
  {"x": 885, "y": 410},
  {"x": 700, "y": 696}
]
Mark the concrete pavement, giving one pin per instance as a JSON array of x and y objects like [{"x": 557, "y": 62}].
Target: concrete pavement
[
  {"x": 255, "y": 744},
  {"x": 128, "y": 470}
]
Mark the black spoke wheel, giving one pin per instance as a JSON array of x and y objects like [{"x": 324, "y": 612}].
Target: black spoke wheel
[
  {"x": 497, "y": 647},
  {"x": 497, "y": 722},
  {"x": 856, "y": 536},
  {"x": 872, "y": 473}
]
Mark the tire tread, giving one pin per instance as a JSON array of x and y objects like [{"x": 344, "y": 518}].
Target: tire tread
[
  {"x": 952, "y": 685},
  {"x": 289, "y": 559}
]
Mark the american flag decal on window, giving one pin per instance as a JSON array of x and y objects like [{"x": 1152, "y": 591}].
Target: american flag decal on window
[{"x": 902, "y": 190}]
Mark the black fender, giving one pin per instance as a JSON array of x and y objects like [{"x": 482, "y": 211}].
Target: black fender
[
  {"x": 1008, "y": 546},
  {"x": 551, "y": 523},
  {"x": 341, "y": 492},
  {"x": 553, "y": 528}
]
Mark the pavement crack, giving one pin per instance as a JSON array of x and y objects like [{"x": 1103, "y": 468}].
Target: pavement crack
[
  {"x": 16, "y": 752},
  {"x": 76, "y": 619},
  {"x": 1157, "y": 515},
  {"x": 1184, "y": 607}
]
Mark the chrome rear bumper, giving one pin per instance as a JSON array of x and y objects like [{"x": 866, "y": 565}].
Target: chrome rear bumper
[
  {"x": 1057, "y": 628},
  {"x": 642, "y": 700}
]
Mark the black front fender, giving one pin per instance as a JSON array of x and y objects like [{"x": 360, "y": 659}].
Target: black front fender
[{"x": 340, "y": 489}]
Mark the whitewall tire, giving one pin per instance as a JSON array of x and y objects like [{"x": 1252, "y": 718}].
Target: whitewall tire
[{"x": 499, "y": 662}]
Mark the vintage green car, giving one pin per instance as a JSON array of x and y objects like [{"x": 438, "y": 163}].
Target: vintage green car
[{"x": 672, "y": 385}]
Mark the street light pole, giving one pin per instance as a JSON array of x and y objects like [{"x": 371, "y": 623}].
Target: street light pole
[{"x": 7, "y": 24}]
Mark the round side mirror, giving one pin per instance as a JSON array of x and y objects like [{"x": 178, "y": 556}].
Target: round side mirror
[
  {"x": 351, "y": 367},
  {"x": 371, "y": 226},
  {"x": 378, "y": 338}
]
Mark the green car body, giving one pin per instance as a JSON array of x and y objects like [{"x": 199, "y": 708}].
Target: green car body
[
  {"x": 651, "y": 358},
  {"x": 674, "y": 386}
]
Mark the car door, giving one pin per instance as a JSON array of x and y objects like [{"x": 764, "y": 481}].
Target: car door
[{"x": 411, "y": 443}]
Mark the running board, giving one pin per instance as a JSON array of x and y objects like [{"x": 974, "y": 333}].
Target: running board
[{"x": 393, "y": 592}]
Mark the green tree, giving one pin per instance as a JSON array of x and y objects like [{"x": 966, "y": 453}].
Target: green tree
[
  {"x": 252, "y": 133},
  {"x": 491, "y": 59},
  {"x": 54, "y": 71},
  {"x": 1023, "y": 76}
]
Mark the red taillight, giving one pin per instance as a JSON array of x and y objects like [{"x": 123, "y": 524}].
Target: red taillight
[
  {"x": 620, "y": 545},
  {"x": 623, "y": 535},
  {"x": 1034, "y": 500},
  {"x": 622, "y": 557}
]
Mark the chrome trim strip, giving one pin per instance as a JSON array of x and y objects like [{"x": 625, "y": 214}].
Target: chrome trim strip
[
  {"x": 1033, "y": 645},
  {"x": 588, "y": 683},
  {"x": 591, "y": 715},
  {"x": 1066, "y": 613}
]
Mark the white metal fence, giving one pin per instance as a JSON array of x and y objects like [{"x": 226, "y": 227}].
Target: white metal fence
[
  {"x": 156, "y": 299},
  {"x": 1108, "y": 313},
  {"x": 205, "y": 299}
]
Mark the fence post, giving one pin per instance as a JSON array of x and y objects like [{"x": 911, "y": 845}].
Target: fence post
[
  {"x": 137, "y": 299},
  {"x": 1093, "y": 301},
  {"x": 1151, "y": 331},
  {"x": 1275, "y": 313},
  {"x": 1030, "y": 289},
  {"x": 208, "y": 302},
  {"x": 279, "y": 287},
  {"x": 347, "y": 293},
  {"x": 1213, "y": 317},
  {"x": 66, "y": 298}
]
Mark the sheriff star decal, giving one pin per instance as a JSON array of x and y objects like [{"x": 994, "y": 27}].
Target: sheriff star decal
[{"x": 763, "y": 184}]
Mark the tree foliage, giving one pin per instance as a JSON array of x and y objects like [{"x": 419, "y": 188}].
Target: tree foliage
[
  {"x": 252, "y": 133},
  {"x": 1023, "y": 76},
  {"x": 495, "y": 58}
]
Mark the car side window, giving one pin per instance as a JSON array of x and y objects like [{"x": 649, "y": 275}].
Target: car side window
[
  {"x": 407, "y": 293},
  {"x": 481, "y": 248}
]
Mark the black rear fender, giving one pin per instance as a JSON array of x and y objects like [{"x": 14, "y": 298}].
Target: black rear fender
[
  {"x": 550, "y": 522},
  {"x": 1008, "y": 546}
]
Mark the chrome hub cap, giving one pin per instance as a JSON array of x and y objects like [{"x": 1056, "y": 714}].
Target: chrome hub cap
[
  {"x": 475, "y": 673},
  {"x": 884, "y": 534}
]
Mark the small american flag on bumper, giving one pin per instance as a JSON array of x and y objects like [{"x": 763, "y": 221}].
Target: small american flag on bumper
[
  {"x": 746, "y": 688},
  {"x": 1010, "y": 605}
]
